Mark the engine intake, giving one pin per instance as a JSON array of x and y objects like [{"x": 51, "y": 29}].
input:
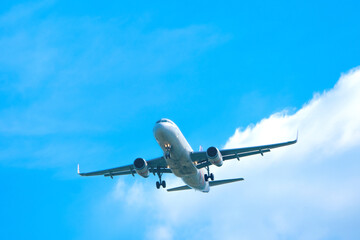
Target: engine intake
[
  {"x": 141, "y": 167},
  {"x": 214, "y": 156}
]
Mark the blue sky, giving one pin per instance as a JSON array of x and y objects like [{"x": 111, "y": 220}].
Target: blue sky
[{"x": 85, "y": 82}]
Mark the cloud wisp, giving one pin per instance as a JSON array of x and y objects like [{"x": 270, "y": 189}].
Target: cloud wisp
[{"x": 305, "y": 191}]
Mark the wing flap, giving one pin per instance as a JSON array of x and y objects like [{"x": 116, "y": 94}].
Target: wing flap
[
  {"x": 259, "y": 148},
  {"x": 239, "y": 155},
  {"x": 233, "y": 156},
  {"x": 119, "y": 173},
  {"x": 106, "y": 171},
  {"x": 162, "y": 170}
]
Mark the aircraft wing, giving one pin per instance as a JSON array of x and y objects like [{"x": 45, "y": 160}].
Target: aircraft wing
[
  {"x": 236, "y": 153},
  {"x": 155, "y": 165}
]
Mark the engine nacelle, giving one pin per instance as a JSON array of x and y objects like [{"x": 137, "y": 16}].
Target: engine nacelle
[
  {"x": 214, "y": 156},
  {"x": 141, "y": 167}
]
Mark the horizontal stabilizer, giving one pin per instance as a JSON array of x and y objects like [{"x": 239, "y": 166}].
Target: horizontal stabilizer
[
  {"x": 225, "y": 181},
  {"x": 212, "y": 183},
  {"x": 186, "y": 187}
]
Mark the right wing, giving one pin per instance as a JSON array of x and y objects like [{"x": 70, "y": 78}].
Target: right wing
[
  {"x": 236, "y": 153},
  {"x": 155, "y": 165}
]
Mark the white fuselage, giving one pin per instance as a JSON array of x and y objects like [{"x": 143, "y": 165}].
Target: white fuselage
[{"x": 180, "y": 163}]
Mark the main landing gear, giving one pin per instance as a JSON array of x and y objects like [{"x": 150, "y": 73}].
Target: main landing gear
[
  {"x": 160, "y": 183},
  {"x": 209, "y": 175}
]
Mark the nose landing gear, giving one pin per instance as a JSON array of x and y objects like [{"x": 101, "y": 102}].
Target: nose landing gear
[{"x": 167, "y": 151}]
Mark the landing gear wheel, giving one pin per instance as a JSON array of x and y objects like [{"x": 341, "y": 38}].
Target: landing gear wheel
[
  {"x": 212, "y": 176},
  {"x": 206, "y": 177},
  {"x": 167, "y": 155},
  {"x": 160, "y": 182}
]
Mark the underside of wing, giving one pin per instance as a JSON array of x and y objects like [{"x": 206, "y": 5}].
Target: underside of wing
[
  {"x": 201, "y": 158},
  {"x": 259, "y": 149},
  {"x": 155, "y": 165}
]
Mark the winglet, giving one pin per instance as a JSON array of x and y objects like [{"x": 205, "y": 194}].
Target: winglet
[
  {"x": 297, "y": 134},
  {"x": 78, "y": 169}
]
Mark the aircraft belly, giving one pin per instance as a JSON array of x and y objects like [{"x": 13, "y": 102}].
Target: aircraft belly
[
  {"x": 181, "y": 166},
  {"x": 179, "y": 161},
  {"x": 197, "y": 181}
]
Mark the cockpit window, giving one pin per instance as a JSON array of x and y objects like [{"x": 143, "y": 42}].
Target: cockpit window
[{"x": 165, "y": 120}]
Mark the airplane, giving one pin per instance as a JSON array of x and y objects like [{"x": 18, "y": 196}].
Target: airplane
[{"x": 180, "y": 159}]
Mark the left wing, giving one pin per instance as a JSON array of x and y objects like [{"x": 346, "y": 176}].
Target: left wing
[
  {"x": 155, "y": 165},
  {"x": 201, "y": 159}
]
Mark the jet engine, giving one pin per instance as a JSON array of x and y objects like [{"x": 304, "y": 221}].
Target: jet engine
[
  {"x": 141, "y": 167},
  {"x": 214, "y": 156}
]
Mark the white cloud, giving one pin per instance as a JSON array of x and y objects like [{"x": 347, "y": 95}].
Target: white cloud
[
  {"x": 309, "y": 190},
  {"x": 306, "y": 191}
]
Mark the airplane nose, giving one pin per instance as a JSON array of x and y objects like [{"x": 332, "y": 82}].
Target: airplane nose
[{"x": 158, "y": 130}]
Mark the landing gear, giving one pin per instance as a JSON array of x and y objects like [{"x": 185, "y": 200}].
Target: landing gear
[
  {"x": 160, "y": 183},
  {"x": 209, "y": 175}
]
